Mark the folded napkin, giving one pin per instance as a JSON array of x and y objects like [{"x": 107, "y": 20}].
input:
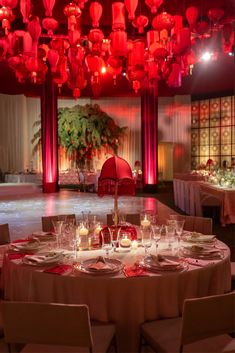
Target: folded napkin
[
  {"x": 100, "y": 264},
  {"x": 163, "y": 262},
  {"x": 43, "y": 259},
  {"x": 198, "y": 237},
  {"x": 59, "y": 269},
  {"x": 204, "y": 252},
  {"x": 26, "y": 245},
  {"x": 22, "y": 240},
  {"x": 14, "y": 256},
  {"x": 134, "y": 271}
]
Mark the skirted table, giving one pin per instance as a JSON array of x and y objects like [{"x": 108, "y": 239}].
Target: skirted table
[{"x": 127, "y": 302}]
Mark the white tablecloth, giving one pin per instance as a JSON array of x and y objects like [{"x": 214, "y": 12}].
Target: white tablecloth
[
  {"x": 22, "y": 178},
  {"x": 190, "y": 196},
  {"x": 126, "y": 301}
]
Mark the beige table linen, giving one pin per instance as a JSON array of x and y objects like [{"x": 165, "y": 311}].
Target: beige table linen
[{"x": 126, "y": 301}]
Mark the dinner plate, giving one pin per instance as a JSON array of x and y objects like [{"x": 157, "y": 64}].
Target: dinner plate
[
  {"x": 26, "y": 246},
  {"x": 44, "y": 236},
  {"x": 43, "y": 259},
  {"x": 194, "y": 237},
  {"x": 200, "y": 252},
  {"x": 168, "y": 264},
  {"x": 97, "y": 267}
]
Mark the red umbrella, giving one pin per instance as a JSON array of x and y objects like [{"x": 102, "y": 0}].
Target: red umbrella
[{"x": 116, "y": 179}]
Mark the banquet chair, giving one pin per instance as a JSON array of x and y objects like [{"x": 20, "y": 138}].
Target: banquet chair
[
  {"x": 47, "y": 224},
  {"x": 206, "y": 326},
  {"x": 197, "y": 224},
  {"x": 133, "y": 218},
  {"x": 53, "y": 327},
  {"x": 4, "y": 234}
]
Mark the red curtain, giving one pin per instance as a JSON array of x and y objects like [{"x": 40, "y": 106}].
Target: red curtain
[
  {"x": 149, "y": 130},
  {"x": 49, "y": 135}
]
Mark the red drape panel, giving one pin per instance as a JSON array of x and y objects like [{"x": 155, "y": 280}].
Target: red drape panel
[
  {"x": 49, "y": 135},
  {"x": 149, "y": 130}
]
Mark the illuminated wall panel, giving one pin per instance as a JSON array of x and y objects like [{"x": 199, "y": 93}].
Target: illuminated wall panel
[{"x": 213, "y": 130}]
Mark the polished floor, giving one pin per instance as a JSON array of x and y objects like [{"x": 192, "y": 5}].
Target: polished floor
[{"x": 23, "y": 213}]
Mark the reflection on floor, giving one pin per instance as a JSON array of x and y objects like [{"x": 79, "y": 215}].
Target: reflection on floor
[{"x": 23, "y": 214}]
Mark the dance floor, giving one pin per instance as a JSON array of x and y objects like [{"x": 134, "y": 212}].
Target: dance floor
[{"x": 23, "y": 213}]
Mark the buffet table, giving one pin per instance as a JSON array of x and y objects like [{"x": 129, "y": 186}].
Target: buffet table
[
  {"x": 190, "y": 196},
  {"x": 23, "y": 178},
  {"x": 128, "y": 302}
]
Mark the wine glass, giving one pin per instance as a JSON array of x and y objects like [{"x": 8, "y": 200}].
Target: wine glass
[
  {"x": 170, "y": 233},
  {"x": 106, "y": 241},
  {"x": 57, "y": 225},
  {"x": 146, "y": 238},
  {"x": 156, "y": 229},
  {"x": 114, "y": 234}
]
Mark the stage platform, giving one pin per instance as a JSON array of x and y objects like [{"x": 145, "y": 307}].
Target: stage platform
[{"x": 18, "y": 189}]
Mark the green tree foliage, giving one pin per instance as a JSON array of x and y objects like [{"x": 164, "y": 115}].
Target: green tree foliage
[{"x": 84, "y": 130}]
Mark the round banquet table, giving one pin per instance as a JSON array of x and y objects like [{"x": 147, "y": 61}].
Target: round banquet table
[{"x": 127, "y": 302}]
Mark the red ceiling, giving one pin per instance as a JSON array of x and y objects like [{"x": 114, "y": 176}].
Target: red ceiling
[{"x": 207, "y": 79}]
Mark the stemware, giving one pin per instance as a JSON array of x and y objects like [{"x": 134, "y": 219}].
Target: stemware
[
  {"x": 106, "y": 241},
  {"x": 156, "y": 228},
  {"x": 146, "y": 239},
  {"x": 57, "y": 225},
  {"x": 114, "y": 234},
  {"x": 170, "y": 233}
]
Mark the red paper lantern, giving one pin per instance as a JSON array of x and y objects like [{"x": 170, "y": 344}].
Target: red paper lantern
[
  {"x": 215, "y": 14},
  {"x": 183, "y": 41},
  {"x": 9, "y": 3},
  {"x": 34, "y": 28},
  {"x": 50, "y": 25},
  {"x": 21, "y": 43},
  {"x": 152, "y": 37},
  {"x": 118, "y": 16},
  {"x": 6, "y": 16},
  {"x": 158, "y": 51},
  {"x": 95, "y": 13},
  {"x": 154, "y": 4},
  {"x": 202, "y": 27},
  {"x": 25, "y": 9},
  {"x": 94, "y": 63},
  {"x": 163, "y": 21},
  {"x": 53, "y": 58},
  {"x": 174, "y": 79},
  {"x": 74, "y": 37},
  {"x": 191, "y": 15},
  {"x": 72, "y": 11},
  {"x": 140, "y": 22},
  {"x": 119, "y": 43},
  {"x": 48, "y": 4},
  {"x": 96, "y": 35},
  {"x": 131, "y": 6},
  {"x": 3, "y": 47},
  {"x": 32, "y": 65},
  {"x": 153, "y": 71}
]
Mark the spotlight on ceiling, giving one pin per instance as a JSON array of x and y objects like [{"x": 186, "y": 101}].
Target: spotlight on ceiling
[{"x": 207, "y": 56}]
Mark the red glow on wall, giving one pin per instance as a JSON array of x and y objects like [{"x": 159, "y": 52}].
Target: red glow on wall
[
  {"x": 49, "y": 136},
  {"x": 149, "y": 106}
]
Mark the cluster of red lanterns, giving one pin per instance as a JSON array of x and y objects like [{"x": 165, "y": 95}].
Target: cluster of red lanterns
[{"x": 168, "y": 51}]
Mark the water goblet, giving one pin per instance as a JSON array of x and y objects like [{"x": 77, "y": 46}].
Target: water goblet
[
  {"x": 156, "y": 228},
  {"x": 106, "y": 241},
  {"x": 170, "y": 233},
  {"x": 146, "y": 239},
  {"x": 114, "y": 234},
  {"x": 57, "y": 225}
]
